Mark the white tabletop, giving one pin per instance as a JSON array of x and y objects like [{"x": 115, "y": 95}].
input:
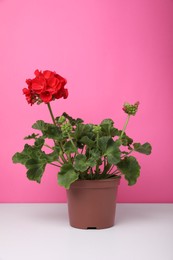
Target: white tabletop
[{"x": 42, "y": 232}]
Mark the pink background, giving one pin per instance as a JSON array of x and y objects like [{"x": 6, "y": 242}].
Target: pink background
[{"x": 110, "y": 51}]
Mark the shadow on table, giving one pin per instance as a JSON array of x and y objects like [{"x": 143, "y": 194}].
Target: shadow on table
[
  {"x": 51, "y": 213},
  {"x": 141, "y": 212},
  {"x": 125, "y": 213}
]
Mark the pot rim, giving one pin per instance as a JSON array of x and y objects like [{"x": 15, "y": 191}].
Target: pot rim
[{"x": 101, "y": 183}]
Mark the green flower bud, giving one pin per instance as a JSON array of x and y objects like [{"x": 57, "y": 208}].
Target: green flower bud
[
  {"x": 66, "y": 128},
  {"x": 96, "y": 129},
  {"x": 61, "y": 119},
  {"x": 131, "y": 109}
]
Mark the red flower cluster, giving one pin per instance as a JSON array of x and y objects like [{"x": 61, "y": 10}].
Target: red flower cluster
[{"x": 45, "y": 87}]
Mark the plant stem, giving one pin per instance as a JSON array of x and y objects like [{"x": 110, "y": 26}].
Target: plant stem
[
  {"x": 55, "y": 164},
  {"x": 115, "y": 172},
  {"x": 125, "y": 155},
  {"x": 51, "y": 113},
  {"x": 104, "y": 162},
  {"x": 97, "y": 165},
  {"x": 62, "y": 155},
  {"x": 97, "y": 139},
  {"x": 106, "y": 168},
  {"x": 125, "y": 126},
  {"x": 97, "y": 169},
  {"x": 69, "y": 158},
  {"x": 53, "y": 119},
  {"x": 46, "y": 145},
  {"x": 72, "y": 142},
  {"x": 111, "y": 168},
  {"x": 82, "y": 150}
]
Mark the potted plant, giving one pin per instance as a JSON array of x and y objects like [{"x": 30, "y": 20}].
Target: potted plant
[{"x": 90, "y": 158}]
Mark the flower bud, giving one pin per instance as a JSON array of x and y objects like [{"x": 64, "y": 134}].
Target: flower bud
[
  {"x": 61, "y": 119},
  {"x": 131, "y": 109},
  {"x": 96, "y": 129},
  {"x": 66, "y": 128}
]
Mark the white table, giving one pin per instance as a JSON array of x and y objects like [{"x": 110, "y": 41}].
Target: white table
[{"x": 42, "y": 232}]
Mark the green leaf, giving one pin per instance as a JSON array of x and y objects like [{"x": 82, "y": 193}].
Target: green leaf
[
  {"x": 110, "y": 148},
  {"x": 80, "y": 163},
  {"x": 49, "y": 130},
  {"x": 144, "y": 148},
  {"x": 69, "y": 148},
  {"x": 33, "y": 163},
  {"x": 102, "y": 143},
  {"x": 53, "y": 132},
  {"x": 92, "y": 162},
  {"x": 108, "y": 129},
  {"x": 86, "y": 140},
  {"x": 24, "y": 155},
  {"x": 20, "y": 158},
  {"x": 35, "y": 169},
  {"x": 83, "y": 130},
  {"x": 130, "y": 168},
  {"x": 39, "y": 125},
  {"x": 113, "y": 152},
  {"x": 51, "y": 157},
  {"x": 95, "y": 154},
  {"x": 126, "y": 140},
  {"x": 72, "y": 120},
  {"x": 114, "y": 132},
  {"x": 39, "y": 143},
  {"x": 29, "y": 152},
  {"x": 35, "y": 159},
  {"x": 107, "y": 121},
  {"x": 67, "y": 175},
  {"x": 33, "y": 136}
]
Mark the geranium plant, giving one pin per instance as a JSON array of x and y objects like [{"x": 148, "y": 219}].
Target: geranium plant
[{"x": 78, "y": 150}]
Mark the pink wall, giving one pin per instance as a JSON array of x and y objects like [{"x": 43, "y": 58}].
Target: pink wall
[{"x": 110, "y": 51}]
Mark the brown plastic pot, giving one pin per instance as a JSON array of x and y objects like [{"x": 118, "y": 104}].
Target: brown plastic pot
[{"x": 92, "y": 203}]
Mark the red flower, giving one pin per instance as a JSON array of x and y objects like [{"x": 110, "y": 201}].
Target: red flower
[
  {"x": 45, "y": 87},
  {"x": 29, "y": 96},
  {"x": 62, "y": 93},
  {"x": 46, "y": 96}
]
